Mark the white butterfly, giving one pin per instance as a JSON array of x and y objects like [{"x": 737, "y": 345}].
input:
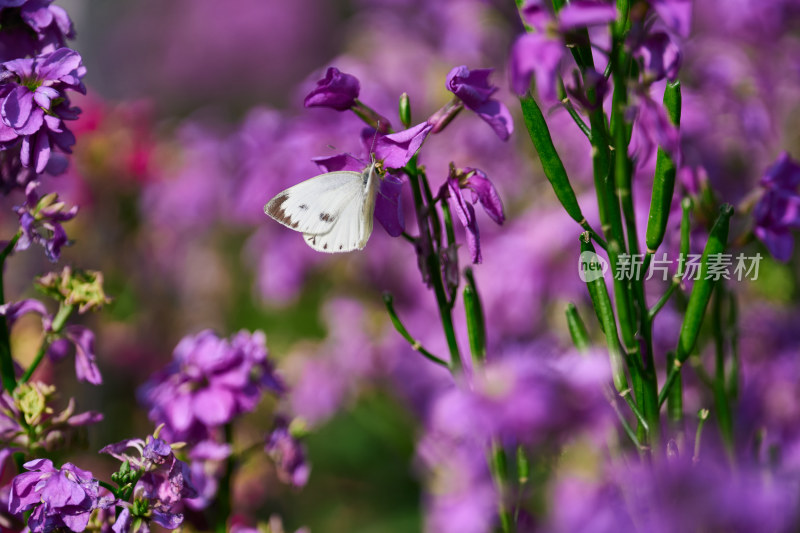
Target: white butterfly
[{"x": 333, "y": 210}]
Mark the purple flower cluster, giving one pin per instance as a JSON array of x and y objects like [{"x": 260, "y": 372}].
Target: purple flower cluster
[
  {"x": 40, "y": 221},
  {"x": 31, "y": 27},
  {"x": 58, "y": 498},
  {"x": 209, "y": 382}
]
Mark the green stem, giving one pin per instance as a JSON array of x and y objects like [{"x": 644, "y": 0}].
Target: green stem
[
  {"x": 222, "y": 509},
  {"x": 499, "y": 467},
  {"x": 702, "y": 415},
  {"x": 401, "y": 329},
  {"x": 6, "y": 360},
  {"x": 721, "y": 402},
  {"x": 434, "y": 268}
]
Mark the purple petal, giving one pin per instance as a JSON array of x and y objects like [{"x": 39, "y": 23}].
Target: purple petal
[
  {"x": 535, "y": 55},
  {"x": 59, "y": 491},
  {"x": 36, "y": 15},
  {"x": 21, "y": 67},
  {"x": 85, "y": 365},
  {"x": 84, "y": 419},
  {"x": 676, "y": 14},
  {"x": 779, "y": 243},
  {"x": 44, "y": 95},
  {"x": 466, "y": 214},
  {"x": 12, "y": 311},
  {"x": 486, "y": 195},
  {"x": 41, "y": 152},
  {"x": 209, "y": 450},
  {"x": 59, "y": 64},
  {"x": 214, "y": 406},
  {"x": 34, "y": 123},
  {"x": 17, "y": 107},
  {"x": 471, "y": 86},
  {"x": 661, "y": 56},
  {"x": 124, "y": 522},
  {"x": 338, "y": 162},
  {"x": 585, "y": 13},
  {"x": 389, "y": 207},
  {"x": 179, "y": 412},
  {"x": 398, "y": 148},
  {"x": 76, "y": 522},
  {"x": 167, "y": 520},
  {"x": 536, "y": 13},
  {"x": 784, "y": 173},
  {"x": 497, "y": 115},
  {"x": 336, "y": 90}
]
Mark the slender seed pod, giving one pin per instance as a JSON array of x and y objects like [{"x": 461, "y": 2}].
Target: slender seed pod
[
  {"x": 675, "y": 396},
  {"x": 577, "y": 329},
  {"x": 551, "y": 162},
  {"x": 476, "y": 328},
  {"x": 664, "y": 179},
  {"x": 405, "y": 110}
]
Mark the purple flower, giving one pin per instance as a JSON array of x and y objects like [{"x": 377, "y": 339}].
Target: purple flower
[
  {"x": 483, "y": 192},
  {"x": 584, "y": 13},
  {"x": 210, "y": 381},
  {"x": 31, "y": 27},
  {"x": 536, "y": 56},
  {"x": 652, "y": 128},
  {"x": 472, "y": 87},
  {"x": 397, "y": 149},
  {"x": 288, "y": 454},
  {"x": 539, "y": 55},
  {"x": 80, "y": 337},
  {"x": 777, "y": 212},
  {"x": 660, "y": 56},
  {"x": 388, "y": 201},
  {"x": 336, "y": 90},
  {"x": 166, "y": 482},
  {"x": 40, "y": 220},
  {"x": 59, "y": 498},
  {"x": 676, "y": 14},
  {"x": 34, "y": 104}
]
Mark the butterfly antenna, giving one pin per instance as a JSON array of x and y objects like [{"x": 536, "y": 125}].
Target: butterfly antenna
[{"x": 374, "y": 140}]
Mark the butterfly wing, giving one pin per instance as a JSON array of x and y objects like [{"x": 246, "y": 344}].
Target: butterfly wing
[
  {"x": 352, "y": 228},
  {"x": 314, "y": 206}
]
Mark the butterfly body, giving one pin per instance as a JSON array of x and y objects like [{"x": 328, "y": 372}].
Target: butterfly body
[{"x": 333, "y": 211}]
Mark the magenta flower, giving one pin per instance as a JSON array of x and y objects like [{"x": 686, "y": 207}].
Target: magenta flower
[
  {"x": 473, "y": 89},
  {"x": 40, "y": 220},
  {"x": 210, "y": 381},
  {"x": 777, "y": 212},
  {"x": 34, "y": 104},
  {"x": 59, "y": 498},
  {"x": 336, "y": 90},
  {"x": 483, "y": 192},
  {"x": 288, "y": 454},
  {"x": 388, "y": 202}
]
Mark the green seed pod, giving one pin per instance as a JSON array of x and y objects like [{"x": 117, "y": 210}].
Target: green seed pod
[
  {"x": 551, "y": 162},
  {"x": 405, "y": 110},
  {"x": 664, "y": 179},
  {"x": 577, "y": 329},
  {"x": 476, "y": 328}
]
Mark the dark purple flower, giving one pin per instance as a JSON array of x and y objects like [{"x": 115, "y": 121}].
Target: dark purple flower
[
  {"x": 397, "y": 149},
  {"x": 34, "y": 104},
  {"x": 336, "y": 90},
  {"x": 210, "y": 381},
  {"x": 483, "y": 192},
  {"x": 59, "y": 498},
  {"x": 472, "y": 87},
  {"x": 288, "y": 454},
  {"x": 40, "y": 220},
  {"x": 660, "y": 56},
  {"x": 777, "y": 212}
]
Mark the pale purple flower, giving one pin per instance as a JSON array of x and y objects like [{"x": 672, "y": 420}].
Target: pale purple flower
[
  {"x": 777, "y": 212},
  {"x": 59, "y": 498},
  {"x": 40, "y": 220},
  {"x": 584, "y": 13},
  {"x": 473, "y": 89},
  {"x": 336, "y": 90},
  {"x": 483, "y": 192},
  {"x": 397, "y": 149},
  {"x": 210, "y": 381},
  {"x": 288, "y": 454},
  {"x": 27, "y": 103}
]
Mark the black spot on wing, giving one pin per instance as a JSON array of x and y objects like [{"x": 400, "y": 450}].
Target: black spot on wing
[
  {"x": 304, "y": 207},
  {"x": 325, "y": 217}
]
